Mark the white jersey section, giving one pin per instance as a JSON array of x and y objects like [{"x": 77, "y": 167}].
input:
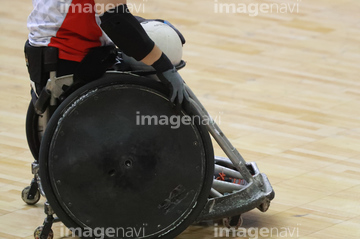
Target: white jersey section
[{"x": 46, "y": 19}]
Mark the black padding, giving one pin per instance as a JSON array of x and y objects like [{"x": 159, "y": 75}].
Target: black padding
[
  {"x": 34, "y": 62},
  {"x": 51, "y": 55},
  {"x": 126, "y": 32},
  {"x": 40, "y": 61},
  {"x": 101, "y": 168},
  {"x": 95, "y": 63},
  {"x": 33, "y": 131}
]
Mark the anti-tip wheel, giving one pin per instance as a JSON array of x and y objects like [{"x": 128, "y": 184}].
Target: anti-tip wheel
[
  {"x": 38, "y": 231},
  {"x": 264, "y": 206},
  {"x": 234, "y": 221},
  {"x": 25, "y": 193}
]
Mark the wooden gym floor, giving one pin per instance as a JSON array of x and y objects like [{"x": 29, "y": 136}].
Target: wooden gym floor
[{"x": 284, "y": 88}]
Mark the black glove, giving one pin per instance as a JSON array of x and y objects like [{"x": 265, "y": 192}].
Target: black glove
[{"x": 176, "y": 84}]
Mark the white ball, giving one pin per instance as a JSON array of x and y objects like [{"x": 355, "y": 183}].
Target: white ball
[{"x": 165, "y": 38}]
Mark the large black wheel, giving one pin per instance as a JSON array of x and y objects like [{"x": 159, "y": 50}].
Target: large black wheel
[
  {"x": 33, "y": 131},
  {"x": 114, "y": 156}
]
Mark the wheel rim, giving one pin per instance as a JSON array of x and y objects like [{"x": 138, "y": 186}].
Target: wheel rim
[{"x": 134, "y": 166}]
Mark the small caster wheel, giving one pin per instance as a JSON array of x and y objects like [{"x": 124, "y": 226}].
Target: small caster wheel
[
  {"x": 25, "y": 193},
  {"x": 38, "y": 231},
  {"x": 235, "y": 221},
  {"x": 264, "y": 206}
]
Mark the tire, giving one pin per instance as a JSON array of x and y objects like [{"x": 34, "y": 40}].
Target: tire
[
  {"x": 119, "y": 175},
  {"x": 32, "y": 131}
]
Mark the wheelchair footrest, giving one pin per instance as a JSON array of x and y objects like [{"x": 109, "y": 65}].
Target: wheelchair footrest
[{"x": 255, "y": 194}]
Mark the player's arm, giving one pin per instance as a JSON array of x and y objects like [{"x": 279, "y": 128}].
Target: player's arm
[
  {"x": 127, "y": 33},
  {"x": 111, "y": 5}
]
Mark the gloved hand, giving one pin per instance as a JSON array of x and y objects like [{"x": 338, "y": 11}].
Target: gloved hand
[
  {"x": 177, "y": 85},
  {"x": 168, "y": 74}
]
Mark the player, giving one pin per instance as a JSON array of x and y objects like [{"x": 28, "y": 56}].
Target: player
[{"x": 77, "y": 31}]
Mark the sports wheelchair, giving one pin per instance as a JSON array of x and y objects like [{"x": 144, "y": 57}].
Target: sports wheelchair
[{"x": 99, "y": 167}]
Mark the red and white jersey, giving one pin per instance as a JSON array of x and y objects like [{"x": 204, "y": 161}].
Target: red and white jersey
[{"x": 72, "y": 26}]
